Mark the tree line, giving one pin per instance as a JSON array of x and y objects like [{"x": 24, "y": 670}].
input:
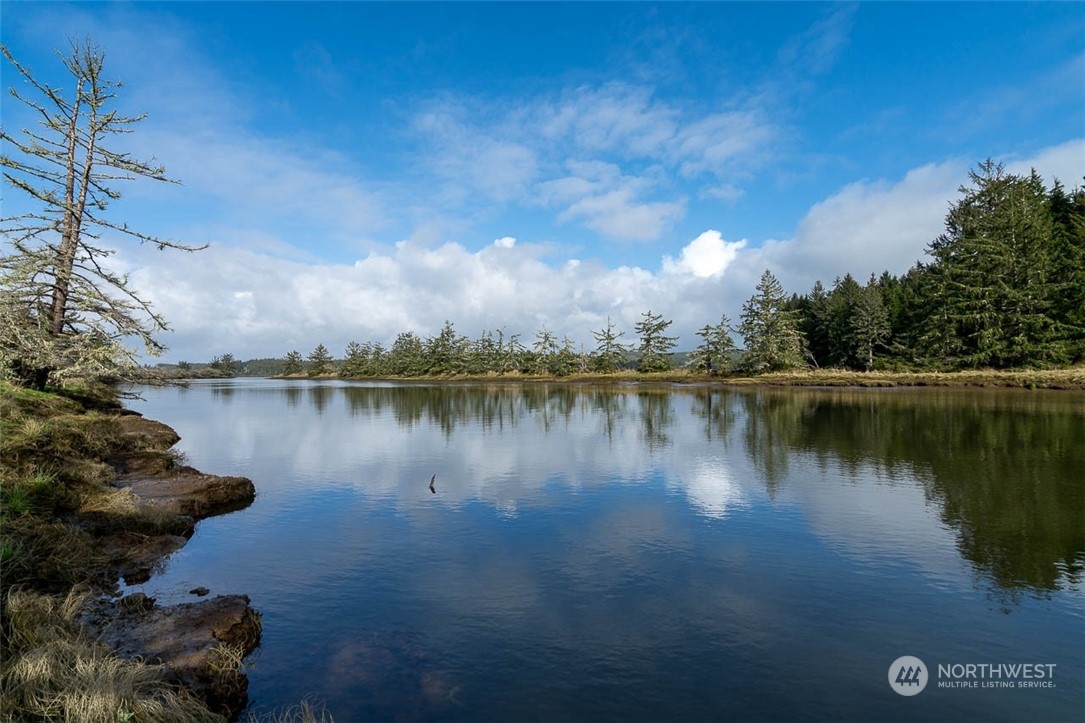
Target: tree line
[{"x": 1004, "y": 287}]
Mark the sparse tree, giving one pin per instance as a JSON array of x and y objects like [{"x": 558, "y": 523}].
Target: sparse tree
[
  {"x": 546, "y": 351},
  {"x": 714, "y": 353},
  {"x": 65, "y": 311},
  {"x": 610, "y": 354},
  {"x": 225, "y": 364},
  {"x": 655, "y": 346}
]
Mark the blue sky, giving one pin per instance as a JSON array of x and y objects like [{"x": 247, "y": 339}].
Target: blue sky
[{"x": 361, "y": 169}]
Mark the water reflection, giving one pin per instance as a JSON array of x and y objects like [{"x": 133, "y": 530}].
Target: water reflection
[
  {"x": 620, "y": 550},
  {"x": 1002, "y": 470}
]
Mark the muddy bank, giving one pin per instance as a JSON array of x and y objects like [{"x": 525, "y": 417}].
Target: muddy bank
[{"x": 200, "y": 644}]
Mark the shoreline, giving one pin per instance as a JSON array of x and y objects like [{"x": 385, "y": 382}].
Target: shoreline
[
  {"x": 95, "y": 494},
  {"x": 1072, "y": 379}
]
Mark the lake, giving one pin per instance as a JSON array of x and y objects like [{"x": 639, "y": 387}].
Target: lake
[{"x": 644, "y": 553}]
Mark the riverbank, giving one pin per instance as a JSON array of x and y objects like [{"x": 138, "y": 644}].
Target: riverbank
[
  {"x": 1066, "y": 379},
  {"x": 93, "y": 494}
]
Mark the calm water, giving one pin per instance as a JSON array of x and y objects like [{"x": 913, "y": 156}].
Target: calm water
[{"x": 635, "y": 553}]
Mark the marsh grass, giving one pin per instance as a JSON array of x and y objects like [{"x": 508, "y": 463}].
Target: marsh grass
[
  {"x": 53, "y": 671},
  {"x": 1072, "y": 378},
  {"x": 304, "y": 712},
  {"x": 57, "y": 453}
]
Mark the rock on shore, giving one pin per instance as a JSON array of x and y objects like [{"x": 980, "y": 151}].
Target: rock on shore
[{"x": 200, "y": 644}]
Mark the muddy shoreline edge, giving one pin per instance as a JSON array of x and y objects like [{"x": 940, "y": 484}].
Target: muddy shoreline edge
[{"x": 200, "y": 645}]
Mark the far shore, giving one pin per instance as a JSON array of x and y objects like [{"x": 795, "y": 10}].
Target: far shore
[{"x": 1061, "y": 379}]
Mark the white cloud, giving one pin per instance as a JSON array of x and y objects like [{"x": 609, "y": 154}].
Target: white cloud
[
  {"x": 707, "y": 256},
  {"x": 254, "y": 304},
  {"x": 1065, "y": 162},
  {"x": 612, "y": 157},
  {"x": 876, "y": 225},
  {"x": 617, "y": 214}
]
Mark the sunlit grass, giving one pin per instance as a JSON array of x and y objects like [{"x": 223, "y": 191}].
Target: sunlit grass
[{"x": 52, "y": 671}]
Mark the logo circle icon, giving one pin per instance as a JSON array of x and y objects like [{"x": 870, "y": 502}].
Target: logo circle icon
[{"x": 908, "y": 675}]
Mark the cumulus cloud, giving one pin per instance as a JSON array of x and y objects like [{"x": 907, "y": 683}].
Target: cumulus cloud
[
  {"x": 256, "y": 304},
  {"x": 253, "y": 304},
  {"x": 707, "y": 256}
]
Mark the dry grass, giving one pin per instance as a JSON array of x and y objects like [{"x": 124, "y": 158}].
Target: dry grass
[
  {"x": 1073, "y": 378},
  {"x": 110, "y": 501},
  {"x": 51, "y": 671},
  {"x": 303, "y": 712},
  {"x": 46, "y": 554}
]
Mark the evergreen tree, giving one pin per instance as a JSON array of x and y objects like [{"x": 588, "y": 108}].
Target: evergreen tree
[
  {"x": 513, "y": 355},
  {"x": 655, "y": 346},
  {"x": 406, "y": 357},
  {"x": 378, "y": 361},
  {"x": 225, "y": 364},
  {"x": 843, "y": 300},
  {"x": 446, "y": 353},
  {"x": 566, "y": 361},
  {"x": 995, "y": 273},
  {"x": 611, "y": 353},
  {"x": 545, "y": 350},
  {"x": 770, "y": 331},
  {"x": 320, "y": 361},
  {"x": 63, "y": 311},
  {"x": 355, "y": 360},
  {"x": 869, "y": 323},
  {"x": 294, "y": 363},
  {"x": 815, "y": 325},
  {"x": 715, "y": 351},
  {"x": 1067, "y": 212}
]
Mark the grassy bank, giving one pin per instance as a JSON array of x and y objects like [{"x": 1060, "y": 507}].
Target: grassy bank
[
  {"x": 58, "y": 451},
  {"x": 1068, "y": 379}
]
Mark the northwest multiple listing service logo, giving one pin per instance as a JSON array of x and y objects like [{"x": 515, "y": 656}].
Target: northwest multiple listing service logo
[{"x": 908, "y": 675}]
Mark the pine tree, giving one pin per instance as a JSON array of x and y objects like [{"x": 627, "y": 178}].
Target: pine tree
[
  {"x": 869, "y": 323},
  {"x": 610, "y": 353},
  {"x": 406, "y": 357},
  {"x": 294, "y": 363},
  {"x": 355, "y": 360},
  {"x": 994, "y": 273},
  {"x": 225, "y": 364},
  {"x": 815, "y": 324},
  {"x": 320, "y": 361},
  {"x": 770, "y": 331},
  {"x": 446, "y": 353},
  {"x": 655, "y": 346},
  {"x": 1067, "y": 212},
  {"x": 714, "y": 353},
  {"x": 545, "y": 351},
  {"x": 63, "y": 312}
]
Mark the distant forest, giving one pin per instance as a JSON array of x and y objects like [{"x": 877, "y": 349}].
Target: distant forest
[{"x": 1004, "y": 287}]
